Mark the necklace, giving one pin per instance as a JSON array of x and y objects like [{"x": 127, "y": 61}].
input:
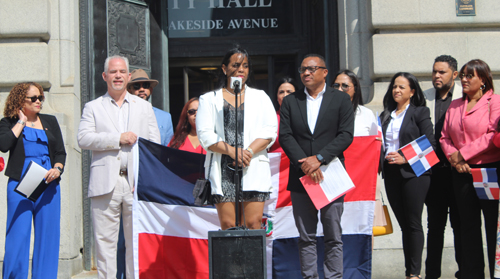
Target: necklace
[
  {"x": 32, "y": 124},
  {"x": 242, "y": 92}
]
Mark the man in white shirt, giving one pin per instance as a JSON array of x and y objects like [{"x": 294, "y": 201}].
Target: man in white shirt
[{"x": 316, "y": 126}]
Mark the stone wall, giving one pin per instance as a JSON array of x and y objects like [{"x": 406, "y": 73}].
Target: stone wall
[{"x": 39, "y": 42}]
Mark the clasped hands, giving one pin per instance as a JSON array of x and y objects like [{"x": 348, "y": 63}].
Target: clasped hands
[
  {"x": 310, "y": 167},
  {"x": 458, "y": 162},
  {"x": 244, "y": 156}
]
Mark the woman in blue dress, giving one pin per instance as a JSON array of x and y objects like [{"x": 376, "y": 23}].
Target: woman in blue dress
[{"x": 30, "y": 136}]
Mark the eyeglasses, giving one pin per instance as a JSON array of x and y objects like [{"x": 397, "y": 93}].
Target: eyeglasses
[
  {"x": 345, "y": 86},
  {"x": 192, "y": 111},
  {"x": 468, "y": 76},
  {"x": 33, "y": 99},
  {"x": 145, "y": 85},
  {"x": 311, "y": 69}
]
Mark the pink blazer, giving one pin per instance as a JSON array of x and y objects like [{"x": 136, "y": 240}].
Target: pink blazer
[{"x": 472, "y": 132}]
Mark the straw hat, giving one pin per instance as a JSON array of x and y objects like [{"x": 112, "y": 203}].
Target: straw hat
[{"x": 139, "y": 75}]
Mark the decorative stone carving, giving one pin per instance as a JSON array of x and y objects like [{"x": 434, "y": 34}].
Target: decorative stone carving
[{"x": 128, "y": 32}]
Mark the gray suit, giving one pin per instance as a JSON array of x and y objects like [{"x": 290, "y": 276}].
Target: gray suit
[{"x": 110, "y": 191}]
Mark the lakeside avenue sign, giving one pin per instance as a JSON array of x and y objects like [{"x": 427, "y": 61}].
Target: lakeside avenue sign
[{"x": 228, "y": 18}]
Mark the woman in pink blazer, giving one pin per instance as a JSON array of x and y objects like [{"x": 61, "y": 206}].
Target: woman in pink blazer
[{"x": 467, "y": 141}]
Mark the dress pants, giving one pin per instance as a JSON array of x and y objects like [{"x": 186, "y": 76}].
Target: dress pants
[
  {"x": 45, "y": 213},
  {"x": 306, "y": 220},
  {"x": 406, "y": 197},
  {"x": 439, "y": 200},
  {"x": 106, "y": 212},
  {"x": 469, "y": 210}
]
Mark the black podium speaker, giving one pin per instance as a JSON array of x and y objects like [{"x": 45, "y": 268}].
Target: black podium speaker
[{"x": 237, "y": 254}]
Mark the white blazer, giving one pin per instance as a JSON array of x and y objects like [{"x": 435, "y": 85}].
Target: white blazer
[
  {"x": 430, "y": 96},
  {"x": 259, "y": 122},
  {"x": 99, "y": 132}
]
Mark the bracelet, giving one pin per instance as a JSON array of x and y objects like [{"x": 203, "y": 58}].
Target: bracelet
[
  {"x": 250, "y": 150},
  {"x": 21, "y": 122}
]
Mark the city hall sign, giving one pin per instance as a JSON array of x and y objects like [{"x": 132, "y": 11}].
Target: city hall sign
[{"x": 234, "y": 18}]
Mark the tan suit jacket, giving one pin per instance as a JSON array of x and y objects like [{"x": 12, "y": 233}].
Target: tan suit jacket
[
  {"x": 430, "y": 96},
  {"x": 99, "y": 132}
]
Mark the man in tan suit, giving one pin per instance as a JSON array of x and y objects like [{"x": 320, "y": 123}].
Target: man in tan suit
[{"x": 109, "y": 126}]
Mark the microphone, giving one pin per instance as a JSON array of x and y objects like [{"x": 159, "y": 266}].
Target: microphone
[{"x": 236, "y": 84}]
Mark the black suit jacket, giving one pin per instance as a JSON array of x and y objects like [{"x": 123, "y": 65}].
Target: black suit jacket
[
  {"x": 332, "y": 135},
  {"x": 416, "y": 122},
  {"x": 15, "y": 146}
]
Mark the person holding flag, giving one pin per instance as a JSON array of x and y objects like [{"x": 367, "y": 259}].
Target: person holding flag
[
  {"x": 404, "y": 119},
  {"x": 467, "y": 141}
]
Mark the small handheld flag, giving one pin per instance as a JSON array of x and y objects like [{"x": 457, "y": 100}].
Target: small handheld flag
[
  {"x": 380, "y": 134},
  {"x": 420, "y": 155},
  {"x": 486, "y": 183}
]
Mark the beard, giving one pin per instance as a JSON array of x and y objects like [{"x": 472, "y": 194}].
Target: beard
[{"x": 445, "y": 87}]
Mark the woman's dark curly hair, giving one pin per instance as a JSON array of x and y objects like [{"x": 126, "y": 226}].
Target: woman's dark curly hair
[
  {"x": 183, "y": 127},
  {"x": 17, "y": 97}
]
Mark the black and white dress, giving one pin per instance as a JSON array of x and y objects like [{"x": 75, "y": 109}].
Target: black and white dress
[{"x": 228, "y": 185}]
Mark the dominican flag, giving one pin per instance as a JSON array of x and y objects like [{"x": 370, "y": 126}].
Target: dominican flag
[
  {"x": 486, "y": 183},
  {"x": 420, "y": 155},
  {"x": 171, "y": 234}
]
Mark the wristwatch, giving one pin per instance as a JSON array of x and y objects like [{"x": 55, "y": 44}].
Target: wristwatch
[
  {"x": 60, "y": 170},
  {"x": 21, "y": 122},
  {"x": 320, "y": 158}
]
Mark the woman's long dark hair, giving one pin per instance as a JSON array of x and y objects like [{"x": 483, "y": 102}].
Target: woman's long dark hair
[
  {"x": 282, "y": 80},
  {"x": 357, "y": 98},
  {"x": 418, "y": 98},
  {"x": 183, "y": 127},
  {"x": 222, "y": 78}
]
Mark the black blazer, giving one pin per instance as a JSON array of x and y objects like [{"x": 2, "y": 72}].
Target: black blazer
[
  {"x": 15, "y": 146},
  {"x": 332, "y": 135},
  {"x": 417, "y": 122}
]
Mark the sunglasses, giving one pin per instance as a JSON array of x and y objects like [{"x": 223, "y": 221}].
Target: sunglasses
[
  {"x": 145, "y": 85},
  {"x": 192, "y": 111},
  {"x": 345, "y": 86},
  {"x": 33, "y": 99}
]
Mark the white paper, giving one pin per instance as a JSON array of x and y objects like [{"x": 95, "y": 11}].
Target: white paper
[
  {"x": 34, "y": 175},
  {"x": 336, "y": 180}
]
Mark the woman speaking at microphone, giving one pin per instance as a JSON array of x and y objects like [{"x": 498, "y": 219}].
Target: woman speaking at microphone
[
  {"x": 257, "y": 130},
  {"x": 29, "y": 136},
  {"x": 404, "y": 119}
]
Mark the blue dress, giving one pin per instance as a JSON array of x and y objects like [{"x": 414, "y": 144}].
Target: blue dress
[{"x": 45, "y": 213}]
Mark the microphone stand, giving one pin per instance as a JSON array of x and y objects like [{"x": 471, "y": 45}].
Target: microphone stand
[{"x": 237, "y": 184}]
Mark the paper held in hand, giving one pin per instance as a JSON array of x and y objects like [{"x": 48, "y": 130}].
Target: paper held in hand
[
  {"x": 336, "y": 183},
  {"x": 32, "y": 184}
]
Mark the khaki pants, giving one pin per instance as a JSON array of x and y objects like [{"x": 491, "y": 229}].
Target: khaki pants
[{"x": 106, "y": 211}]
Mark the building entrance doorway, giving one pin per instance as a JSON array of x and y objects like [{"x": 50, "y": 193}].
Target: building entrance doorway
[{"x": 191, "y": 77}]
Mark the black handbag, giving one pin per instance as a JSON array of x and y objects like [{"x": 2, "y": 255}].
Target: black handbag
[{"x": 202, "y": 191}]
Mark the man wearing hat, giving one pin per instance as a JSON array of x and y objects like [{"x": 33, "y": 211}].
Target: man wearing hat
[{"x": 142, "y": 86}]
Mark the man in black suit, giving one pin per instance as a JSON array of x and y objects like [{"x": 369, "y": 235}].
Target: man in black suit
[{"x": 317, "y": 125}]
